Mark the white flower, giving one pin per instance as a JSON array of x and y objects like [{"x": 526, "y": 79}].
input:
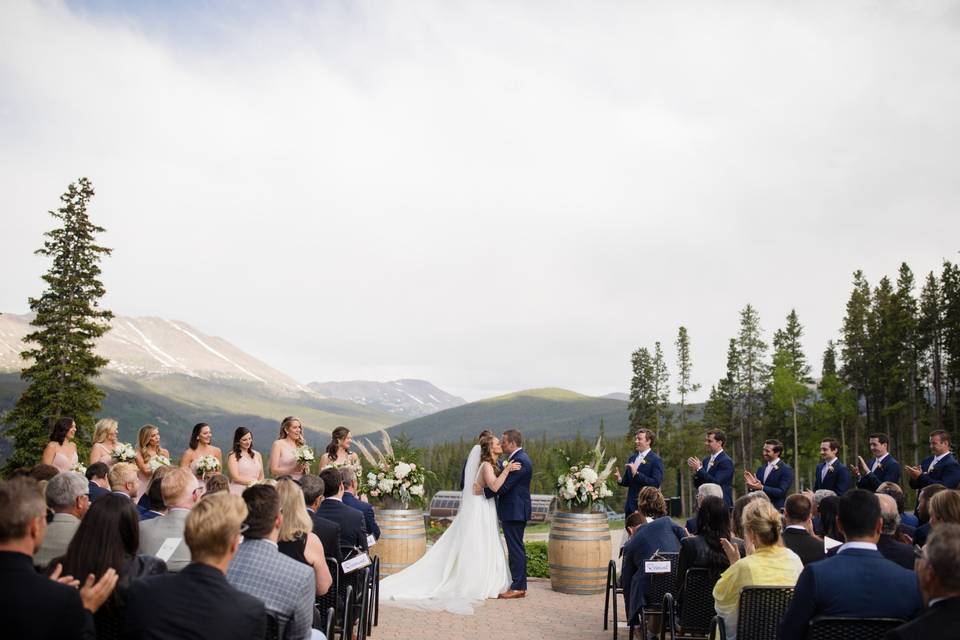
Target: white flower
[
  {"x": 386, "y": 485},
  {"x": 402, "y": 470},
  {"x": 589, "y": 475},
  {"x": 416, "y": 490}
]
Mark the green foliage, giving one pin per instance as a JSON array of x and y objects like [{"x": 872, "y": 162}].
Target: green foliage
[
  {"x": 538, "y": 565},
  {"x": 68, "y": 321},
  {"x": 684, "y": 371},
  {"x": 643, "y": 398}
]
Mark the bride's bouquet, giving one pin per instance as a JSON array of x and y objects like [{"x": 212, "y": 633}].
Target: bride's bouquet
[
  {"x": 391, "y": 478},
  {"x": 207, "y": 464},
  {"x": 124, "y": 452},
  {"x": 586, "y": 481},
  {"x": 158, "y": 461}
]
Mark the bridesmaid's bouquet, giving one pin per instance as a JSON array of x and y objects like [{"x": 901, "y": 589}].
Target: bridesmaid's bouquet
[
  {"x": 158, "y": 461},
  {"x": 392, "y": 479},
  {"x": 585, "y": 484},
  {"x": 304, "y": 455},
  {"x": 79, "y": 468},
  {"x": 207, "y": 464},
  {"x": 124, "y": 452}
]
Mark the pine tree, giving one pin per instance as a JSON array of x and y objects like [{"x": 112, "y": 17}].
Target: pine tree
[
  {"x": 836, "y": 408},
  {"x": 642, "y": 396},
  {"x": 855, "y": 348},
  {"x": 684, "y": 369},
  {"x": 661, "y": 388},
  {"x": 950, "y": 296},
  {"x": 788, "y": 392},
  {"x": 930, "y": 344},
  {"x": 753, "y": 374},
  {"x": 68, "y": 321},
  {"x": 787, "y": 340}
]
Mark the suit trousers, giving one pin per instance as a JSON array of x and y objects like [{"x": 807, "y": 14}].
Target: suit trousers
[{"x": 513, "y": 533}]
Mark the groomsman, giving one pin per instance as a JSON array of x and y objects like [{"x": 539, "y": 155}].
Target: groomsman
[
  {"x": 940, "y": 468},
  {"x": 643, "y": 469},
  {"x": 831, "y": 473},
  {"x": 774, "y": 478},
  {"x": 716, "y": 467},
  {"x": 884, "y": 467}
]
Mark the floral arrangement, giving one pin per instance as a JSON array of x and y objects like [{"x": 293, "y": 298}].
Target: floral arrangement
[
  {"x": 304, "y": 455},
  {"x": 207, "y": 464},
  {"x": 585, "y": 484},
  {"x": 357, "y": 467},
  {"x": 79, "y": 468},
  {"x": 390, "y": 478},
  {"x": 124, "y": 452},
  {"x": 158, "y": 461}
]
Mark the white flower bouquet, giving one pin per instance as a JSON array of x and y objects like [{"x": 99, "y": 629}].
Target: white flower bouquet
[
  {"x": 207, "y": 464},
  {"x": 124, "y": 452},
  {"x": 79, "y": 468},
  {"x": 304, "y": 455},
  {"x": 158, "y": 461},
  {"x": 585, "y": 484},
  {"x": 392, "y": 479}
]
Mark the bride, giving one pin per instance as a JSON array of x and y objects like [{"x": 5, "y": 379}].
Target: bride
[{"x": 467, "y": 563}]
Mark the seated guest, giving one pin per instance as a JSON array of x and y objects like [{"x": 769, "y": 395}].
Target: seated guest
[
  {"x": 829, "y": 509},
  {"x": 153, "y": 498},
  {"x": 650, "y": 531},
  {"x": 97, "y": 478},
  {"x": 352, "y": 527},
  {"x": 327, "y": 530},
  {"x": 217, "y": 482},
  {"x": 704, "y": 549},
  {"x": 818, "y": 497},
  {"x": 68, "y": 497},
  {"x": 349, "y": 478},
  {"x": 908, "y": 521},
  {"x": 108, "y": 538},
  {"x": 34, "y": 606},
  {"x": 797, "y": 534},
  {"x": 856, "y": 583},
  {"x": 767, "y": 563},
  {"x": 180, "y": 493},
  {"x": 286, "y": 587},
  {"x": 704, "y": 490},
  {"x": 297, "y": 539},
  {"x": 923, "y": 512},
  {"x": 888, "y": 545},
  {"x": 124, "y": 480},
  {"x": 198, "y": 603},
  {"x": 736, "y": 516},
  {"x": 938, "y": 571}
]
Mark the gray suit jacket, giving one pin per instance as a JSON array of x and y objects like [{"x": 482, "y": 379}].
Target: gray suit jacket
[
  {"x": 288, "y": 588},
  {"x": 153, "y": 533},
  {"x": 59, "y": 534}
]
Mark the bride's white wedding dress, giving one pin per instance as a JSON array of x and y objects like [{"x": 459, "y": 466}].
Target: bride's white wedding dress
[{"x": 464, "y": 567}]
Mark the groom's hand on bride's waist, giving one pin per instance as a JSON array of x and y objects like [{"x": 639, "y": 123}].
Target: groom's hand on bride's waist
[{"x": 477, "y": 489}]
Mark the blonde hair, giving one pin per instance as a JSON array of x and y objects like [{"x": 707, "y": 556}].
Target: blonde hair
[
  {"x": 143, "y": 439},
  {"x": 174, "y": 484},
  {"x": 296, "y": 520},
  {"x": 486, "y": 453},
  {"x": 120, "y": 474},
  {"x": 945, "y": 506},
  {"x": 650, "y": 502},
  {"x": 762, "y": 520},
  {"x": 103, "y": 428},
  {"x": 213, "y": 525},
  {"x": 286, "y": 424}
]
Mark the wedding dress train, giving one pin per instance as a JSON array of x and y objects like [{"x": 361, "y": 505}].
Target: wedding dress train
[{"x": 465, "y": 566}]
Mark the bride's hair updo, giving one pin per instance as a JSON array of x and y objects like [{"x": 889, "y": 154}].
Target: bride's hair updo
[{"x": 487, "y": 454}]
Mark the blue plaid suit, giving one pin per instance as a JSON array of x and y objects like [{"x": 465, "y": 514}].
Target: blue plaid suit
[{"x": 288, "y": 588}]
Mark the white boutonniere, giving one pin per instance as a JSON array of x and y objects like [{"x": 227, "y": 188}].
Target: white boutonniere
[
  {"x": 643, "y": 461},
  {"x": 830, "y": 469},
  {"x": 775, "y": 468}
]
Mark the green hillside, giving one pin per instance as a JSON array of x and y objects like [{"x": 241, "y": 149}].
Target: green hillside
[
  {"x": 176, "y": 403},
  {"x": 558, "y": 413}
]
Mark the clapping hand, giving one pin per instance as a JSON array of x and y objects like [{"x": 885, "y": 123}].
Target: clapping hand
[
  {"x": 752, "y": 481},
  {"x": 70, "y": 581},
  {"x": 731, "y": 550},
  {"x": 863, "y": 465},
  {"x": 94, "y": 594},
  {"x": 694, "y": 463},
  {"x": 914, "y": 472},
  {"x": 633, "y": 467},
  {"x": 616, "y": 474}
]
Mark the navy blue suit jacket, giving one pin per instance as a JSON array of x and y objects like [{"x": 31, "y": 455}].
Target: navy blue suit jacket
[
  {"x": 649, "y": 474},
  {"x": 660, "y": 535},
  {"x": 513, "y": 496},
  {"x": 366, "y": 509},
  {"x": 886, "y": 471},
  {"x": 720, "y": 473},
  {"x": 778, "y": 483},
  {"x": 837, "y": 480},
  {"x": 947, "y": 473},
  {"x": 96, "y": 490},
  {"x": 855, "y": 583}
]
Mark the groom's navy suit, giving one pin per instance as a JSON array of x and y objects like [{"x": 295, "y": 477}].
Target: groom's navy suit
[{"x": 514, "y": 510}]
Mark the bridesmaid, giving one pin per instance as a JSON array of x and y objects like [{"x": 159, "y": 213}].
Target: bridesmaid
[
  {"x": 200, "y": 446},
  {"x": 148, "y": 441},
  {"x": 244, "y": 464},
  {"x": 283, "y": 452},
  {"x": 61, "y": 451},
  {"x": 338, "y": 451},
  {"x": 104, "y": 441}
]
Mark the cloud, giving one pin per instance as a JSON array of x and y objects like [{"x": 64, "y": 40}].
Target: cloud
[{"x": 489, "y": 196}]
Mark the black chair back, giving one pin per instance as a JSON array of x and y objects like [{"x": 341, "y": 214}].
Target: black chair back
[
  {"x": 273, "y": 627},
  {"x": 660, "y": 583},
  {"x": 697, "y": 609},
  {"x": 346, "y": 631},
  {"x": 761, "y": 609},
  {"x": 834, "y": 628},
  {"x": 328, "y": 628},
  {"x": 331, "y": 599}
]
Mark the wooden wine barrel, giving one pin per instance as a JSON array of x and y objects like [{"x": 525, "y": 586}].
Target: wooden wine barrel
[
  {"x": 579, "y": 551},
  {"x": 403, "y": 539}
]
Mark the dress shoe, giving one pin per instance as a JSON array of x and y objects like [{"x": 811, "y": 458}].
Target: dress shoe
[{"x": 512, "y": 595}]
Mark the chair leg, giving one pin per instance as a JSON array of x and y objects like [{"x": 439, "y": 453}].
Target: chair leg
[
  {"x": 606, "y": 602},
  {"x": 616, "y": 618}
]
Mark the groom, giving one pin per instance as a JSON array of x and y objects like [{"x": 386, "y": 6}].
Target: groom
[{"x": 514, "y": 510}]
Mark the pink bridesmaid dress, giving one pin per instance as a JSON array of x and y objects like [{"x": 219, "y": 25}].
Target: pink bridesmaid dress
[
  {"x": 106, "y": 456},
  {"x": 248, "y": 468},
  {"x": 287, "y": 463},
  {"x": 63, "y": 463}
]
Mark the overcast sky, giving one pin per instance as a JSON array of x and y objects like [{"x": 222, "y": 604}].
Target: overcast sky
[{"x": 490, "y": 196}]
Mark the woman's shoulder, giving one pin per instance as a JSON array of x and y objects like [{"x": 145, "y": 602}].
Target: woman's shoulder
[
  {"x": 53, "y": 445},
  {"x": 216, "y": 451}
]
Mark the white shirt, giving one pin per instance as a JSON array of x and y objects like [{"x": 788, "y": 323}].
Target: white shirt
[
  {"x": 826, "y": 468},
  {"x": 857, "y": 545},
  {"x": 877, "y": 462},
  {"x": 796, "y": 526},
  {"x": 713, "y": 458},
  {"x": 937, "y": 459},
  {"x": 769, "y": 469}
]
